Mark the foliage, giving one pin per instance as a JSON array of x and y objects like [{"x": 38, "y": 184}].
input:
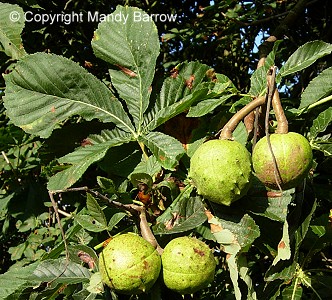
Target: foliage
[{"x": 123, "y": 117}]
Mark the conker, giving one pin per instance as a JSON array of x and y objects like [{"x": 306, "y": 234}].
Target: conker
[
  {"x": 188, "y": 265},
  {"x": 221, "y": 171},
  {"x": 293, "y": 156},
  {"x": 129, "y": 264}
]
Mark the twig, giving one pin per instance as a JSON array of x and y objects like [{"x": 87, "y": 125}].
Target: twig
[
  {"x": 257, "y": 22},
  {"x": 135, "y": 210},
  {"x": 61, "y": 212},
  {"x": 56, "y": 211}
]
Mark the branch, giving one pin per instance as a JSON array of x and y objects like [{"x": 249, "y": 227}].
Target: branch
[
  {"x": 135, "y": 210},
  {"x": 280, "y": 30}
]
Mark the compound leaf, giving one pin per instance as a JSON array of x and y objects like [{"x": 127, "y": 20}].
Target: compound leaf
[{"x": 131, "y": 45}]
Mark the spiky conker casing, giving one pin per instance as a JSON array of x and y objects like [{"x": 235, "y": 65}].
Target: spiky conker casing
[
  {"x": 188, "y": 265},
  {"x": 221, "y": 171},
  {"x": 293, "y": 156},
  {"x": 129, "y": 264}
]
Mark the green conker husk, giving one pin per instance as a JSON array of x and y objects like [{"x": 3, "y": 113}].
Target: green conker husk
[
  {"x": 293, "y": 155},
  {"x": 188, "y": 265},
  {"x": 129, "y": 264},
  {"x": 221, "y": 171}
]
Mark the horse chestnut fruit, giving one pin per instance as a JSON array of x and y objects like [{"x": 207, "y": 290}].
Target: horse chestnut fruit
[
  {"x": 129, "y": 264},
  {"x": 221, "y": 171},
  {"x": 293, "y": 156},
  {"x": 188, "y": 265}
]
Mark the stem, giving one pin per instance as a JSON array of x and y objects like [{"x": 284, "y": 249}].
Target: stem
[
  {"x": 56, "y": 211},
  {"x": 271, "y": 92},
  {"x": 321, "y": 101},
  {"x": 146, "y": 156},
  {"x": 226, "y": 133},
  {"x": 276, "y": 103},
  {"x": 146, "y": 231}
]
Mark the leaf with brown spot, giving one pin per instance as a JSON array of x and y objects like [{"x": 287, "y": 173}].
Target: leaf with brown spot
[{"x": 128, "y": 72}]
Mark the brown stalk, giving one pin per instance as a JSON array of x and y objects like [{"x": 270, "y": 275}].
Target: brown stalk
[
  {"x": 266, "y": 47},
  {"x": 282, "y": 126},
  {"x": 271, "y": 87},
  {"x": 226, "y": 133}
]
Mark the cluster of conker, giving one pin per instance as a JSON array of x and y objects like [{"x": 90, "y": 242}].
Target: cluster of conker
[
  {"x": 131, "y": 265},
  {"x": 222, "y": 170}
]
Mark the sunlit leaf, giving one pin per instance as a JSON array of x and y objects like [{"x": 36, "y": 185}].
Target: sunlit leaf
[
  {"x": 284, "y": 250},
  {"x": 82, "y": 158},
  {"x": 166, "y": 149},
  {"x": 321, "y": 122},
  {"x": 132, "y": 48},
  {"x": 95, "y": 210},
  {"x": 60, "y": 271},
  {"x": 45, "y": 89},
  {"x": 11, "y": 26},
  {"x": 318, "y": 88},
  {"x": 305, "y": 56}
]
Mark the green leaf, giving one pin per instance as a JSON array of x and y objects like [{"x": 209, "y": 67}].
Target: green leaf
[
  {"x": 186, "y": 213},
  {"x": 137, "y": 178},
  {"x": 95, "y": 210},
  {"x": 166, "y": 149},
  {"x": 234, "y": 235},
  {"x": 106, "y": 184},
  {"x": 159, "y": 117},
  {"x": 244, "y": 271},
  {"x": 292, "y": 292},
  {"x": 11, "y": 26},
  {"x": 76, "y": 253},
  {"x": 325, "y": 147},
  {"x": 17, "y": 279},
  {"x": 234, "y": 274},
  {"x": 150, "y": 166},
  {"x": 132, "y": 45},
  {"x": 51, "y": 89},
  {"x": 96, "y": 284},
  {"x": 321, "y": 122},
  {"x": 89, "y": 223},
  {"x": 318, "y": 88},
  {"x": 115, "y": 219},
  {"x": 274, "y": 208},
  {"x": 258, "y": 78},
  {"x": 176, "y": 96},
  {"x": 258, "y": 82},
  {"x": 240, "y": 134},
  {"x": 58, "y": 271},
  {"x": 121, "y": 160},
  {"x": 83, "y": 157},
  {"x": 305, "y": 56},
  {"x": 206, "y": 106}
]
